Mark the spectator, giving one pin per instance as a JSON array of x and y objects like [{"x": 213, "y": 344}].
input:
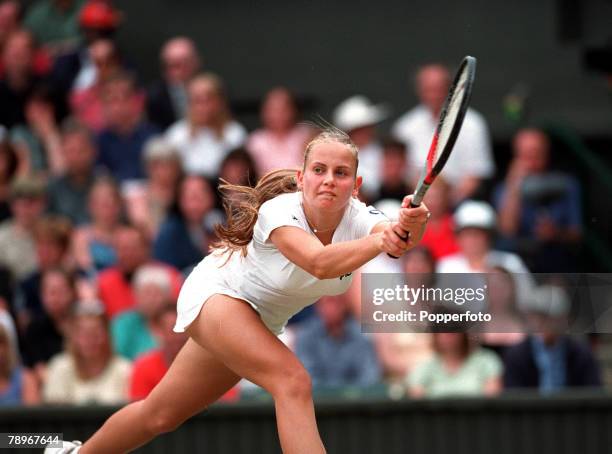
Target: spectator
[
  {"x": 167, "y": 97},
  {"x": 400, "y": 353},
  {"x": 208, "y": 132},
  {"x": 151, "y": 367},
  {"x": 10, "y": 19},
  {"x": 38, "y": 140},
  {"x": 115, "y": 283},
  {"x": 471, "y": 161},
  {"x": 238, "y": 168},
  {"x": 550, "y": 360},
  {"x": 44, "y": 337},
  {"x": 184, "y": 238},
  {"x": 131, "y": 330},
  {"x": 393, "y": 184},
  {"x": 148, "y": 204},
  {"x": 87, "y": 103},
  {"x": 281, "y": 142},
  {"x": 54, "y": 23},
  {"x": 92, "y": 243},
  {"x": 52, "y": 239},
  {"x": 457, "y": 368},
  {"x": 17, "y": 384},
  {"x": 439, "y": 236},
  {"x": 87, "y": 371},
  {"x": 16, "y": 234},
  {"x": 19, "y": 78},
  {"x": 333, "y": 350},
  {"x": 539, "y": 209},
  {"x": 359, "y": 117},
  {"x": 76, "y": 70},
  {"x": 507, "y": 326},
  {"x": 120, "y": 144},
  {"x": 475, "y": 228},
  {"x": 68, "y": 192},
  {"x": 8, "y": 168}
]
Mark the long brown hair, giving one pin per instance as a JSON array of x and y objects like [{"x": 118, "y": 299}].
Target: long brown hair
[{"x": 242, "y": 203}]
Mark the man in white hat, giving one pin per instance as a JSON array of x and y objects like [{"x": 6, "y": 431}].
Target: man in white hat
[
  {"x": 359, "y": 117},
  {"x": 475, "y": 226},
  {"x": 471, "y": 161}
]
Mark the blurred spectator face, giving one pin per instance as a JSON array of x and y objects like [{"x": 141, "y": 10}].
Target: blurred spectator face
[
  {"x": 57, "y": 294},
  {"x": 279, "y": 112},
  {"x": 332, "y": 310},
  {"x": 49, "y": 253},
  {"x": 180, "y": 60},
  {"x": 18, "y": 54},
  {"x": 150, "y": 298},
  {"x": 104, "y": 204},
  {"x": 433, "y": 82},
  {"x": 132, "y": 249},
  {"x": 532, "y": 149},
  {"x": 195, "y": 199},
  {"x": 90, "y": 337},
  {"x": 363, "y": 136},
  {"x": 79, "y": 153},
  {"x": 205, "y": 103},
  {"x": 9, "y": 18},
  {"x": 438, "y": 198},
  {"x": 166, "y": 172},
  {"x": 237, "y": 171},
  {"x": 393, "y": 165},
  {"x": 103, "y": 55},
  {"x": 450, "y": 343},
  {"x": 27, "y": 210},
  {"x": 418, "y": 267},
  {"x": 501, "y": 292},
  {"x": 473, "y": 242},
  {"x": 121, "y": 103},
  {"x": 170, "y": 341}
]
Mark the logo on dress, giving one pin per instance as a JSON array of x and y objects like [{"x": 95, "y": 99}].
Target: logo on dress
[
  {"x": 345, "y": 275},
  {"x": 294, "y": 218}
]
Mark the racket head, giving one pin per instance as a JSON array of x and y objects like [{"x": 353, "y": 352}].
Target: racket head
[{"x": 449, "y": 125}]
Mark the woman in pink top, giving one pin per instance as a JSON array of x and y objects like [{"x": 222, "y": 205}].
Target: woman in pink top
[{"x": 280, "y": 143}]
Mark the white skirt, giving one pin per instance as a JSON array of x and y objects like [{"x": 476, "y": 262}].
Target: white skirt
[{"x": 205, "y": 280}]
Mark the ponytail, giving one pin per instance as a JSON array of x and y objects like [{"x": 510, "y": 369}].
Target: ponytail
[{"x": 241, "y": 204}]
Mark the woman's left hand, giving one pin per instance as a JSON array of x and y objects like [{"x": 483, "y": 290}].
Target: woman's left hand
[{"x": 413, "y": 220}]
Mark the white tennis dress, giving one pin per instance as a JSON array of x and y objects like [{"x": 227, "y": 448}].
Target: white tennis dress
[{"x": 273, "y": 285}]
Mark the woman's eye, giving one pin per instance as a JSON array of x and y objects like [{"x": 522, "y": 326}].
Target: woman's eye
[
  {"x": 341, "y": 173},
  {"x": 317, "y": 170}
]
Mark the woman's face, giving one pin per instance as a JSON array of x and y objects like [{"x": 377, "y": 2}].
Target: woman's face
[
  {"x": 278, "y": 111},
  {"x": 164, "y": 171},
  {"x": 328, "y": 180},
  {"x": 104, "y": 205},
  {"x": 473, "y": 242},
  {"x": 91, "y": 336},
  {"x": 205, "y": 104},
  {"x": 57, "y": 294},
  {"x": 196, "y": 199}
]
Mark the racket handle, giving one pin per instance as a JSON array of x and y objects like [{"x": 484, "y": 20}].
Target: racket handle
[{"x": 405, "y": 237}]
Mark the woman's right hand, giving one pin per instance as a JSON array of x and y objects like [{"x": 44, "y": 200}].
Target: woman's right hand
[{"x": 391, "y": 240}]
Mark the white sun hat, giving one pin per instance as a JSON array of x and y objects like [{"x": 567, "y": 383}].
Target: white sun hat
[
  {"x": 472, "y": 213},
  {"x": 357, "y": 112}
]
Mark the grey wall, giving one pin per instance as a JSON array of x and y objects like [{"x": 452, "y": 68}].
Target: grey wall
[{"x": 332, "y": 49}]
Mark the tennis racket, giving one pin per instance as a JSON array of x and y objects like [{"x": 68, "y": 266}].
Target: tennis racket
[{"x": 449, "y": 125}]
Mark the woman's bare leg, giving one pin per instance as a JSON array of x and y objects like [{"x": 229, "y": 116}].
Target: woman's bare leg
[
  {"x": 234, "y": 333},
  {"x": 195, "y": 380}
]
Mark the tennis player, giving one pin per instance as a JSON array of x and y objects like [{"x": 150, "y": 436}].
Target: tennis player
[{"x": 295, "y": 237}]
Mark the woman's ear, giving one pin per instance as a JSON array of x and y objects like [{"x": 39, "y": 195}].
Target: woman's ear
[
  {"x": 300, "y": 179},
  {"x": 358, "y": 182}
]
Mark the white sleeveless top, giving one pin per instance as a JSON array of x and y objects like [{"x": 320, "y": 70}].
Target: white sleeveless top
[{"x": 273, "y": 285}]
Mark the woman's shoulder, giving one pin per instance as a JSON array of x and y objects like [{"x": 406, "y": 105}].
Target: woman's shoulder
[{"x": 286, "y": 201}]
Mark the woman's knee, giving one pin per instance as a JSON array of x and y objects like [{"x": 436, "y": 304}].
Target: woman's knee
[
  {"x": 293, "y": 383},
  {"x": 160, "y": 420}
]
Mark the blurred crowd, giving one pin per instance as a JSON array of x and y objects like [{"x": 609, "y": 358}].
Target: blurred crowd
[{"x": 109, "y": 196}]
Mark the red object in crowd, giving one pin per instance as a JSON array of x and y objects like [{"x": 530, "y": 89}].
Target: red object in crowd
[
  {"x": 440, "y": 238},
  {"x": 149, "y": 369},
  {"x": 98, "y": 14},
  {"x": 116, "y": 292}
]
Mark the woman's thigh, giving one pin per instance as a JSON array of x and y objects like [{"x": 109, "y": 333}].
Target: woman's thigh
[{"x": 235, "y": 334}]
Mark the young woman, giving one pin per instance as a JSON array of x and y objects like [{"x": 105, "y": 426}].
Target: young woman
[{"x": 295, "y": 237}]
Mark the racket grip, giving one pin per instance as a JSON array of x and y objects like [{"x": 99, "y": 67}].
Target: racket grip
[{"x": 405, "y": 237}]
